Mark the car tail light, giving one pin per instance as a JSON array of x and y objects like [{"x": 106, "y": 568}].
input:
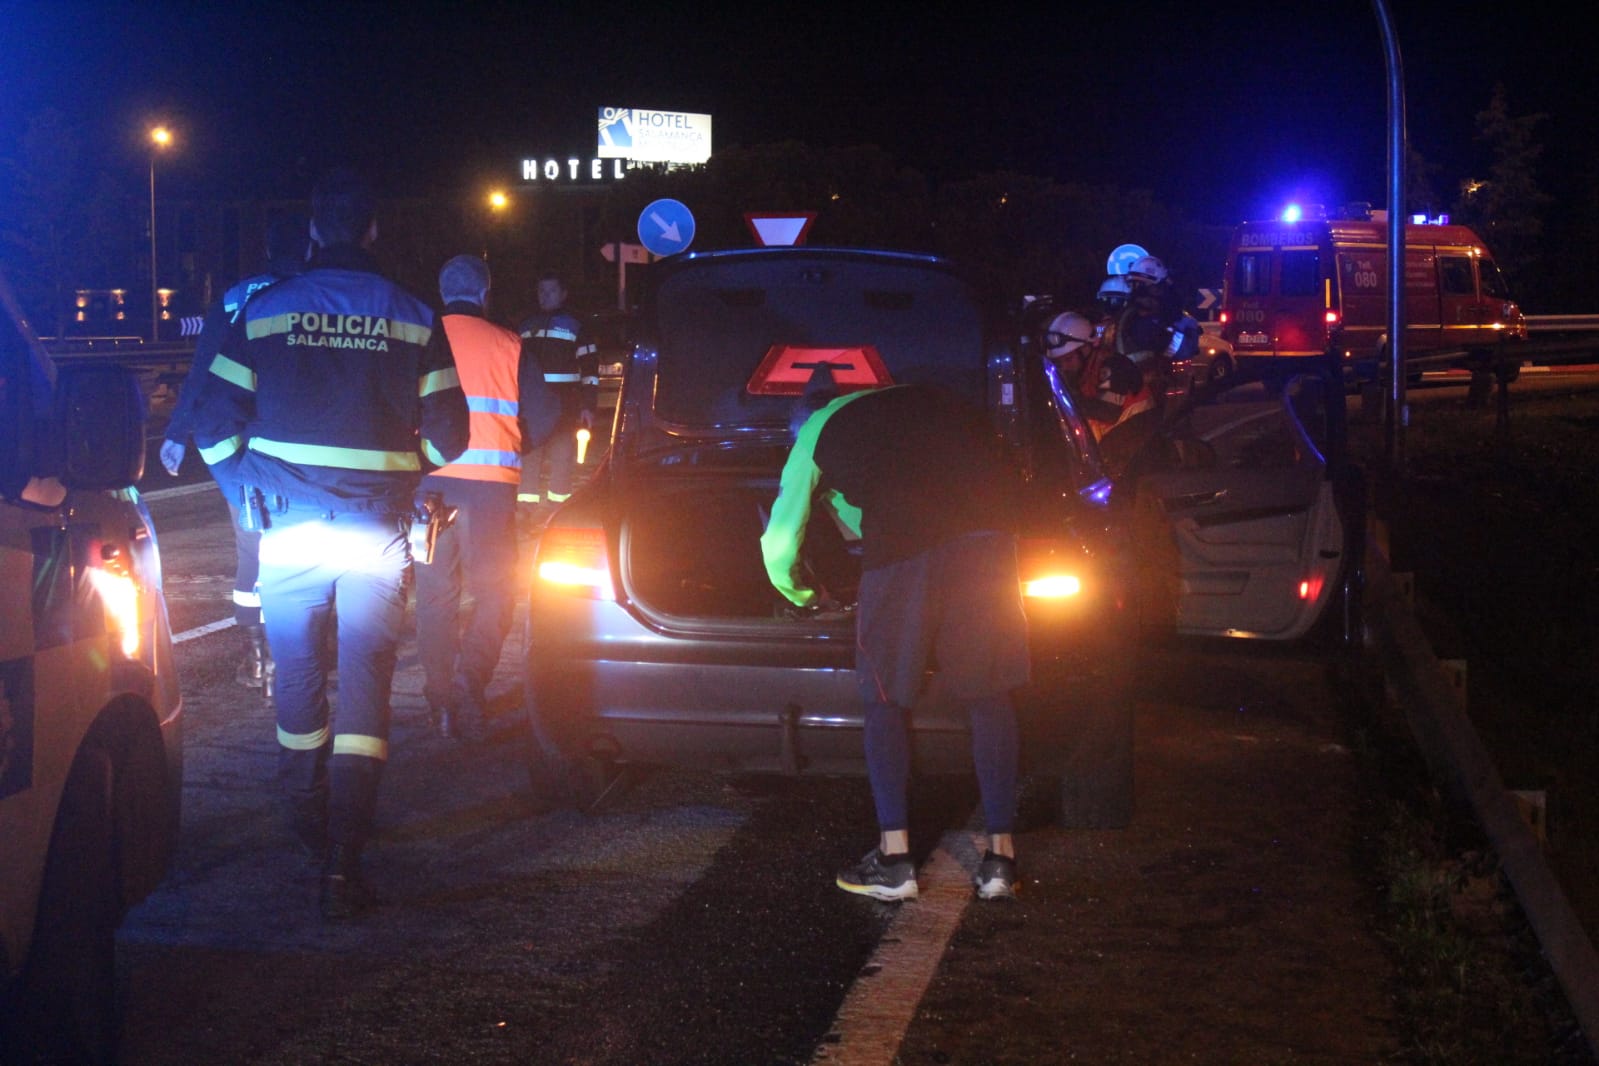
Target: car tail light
[
  {"x": 113, "y": 581},
  {"x": 575, "y": 559},
  {"x": 1310, "y": 588},
  {"x": 1048, "y": 572}
]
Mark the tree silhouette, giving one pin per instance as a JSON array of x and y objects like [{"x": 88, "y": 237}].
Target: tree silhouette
[{"x": 1507, "y": 206}]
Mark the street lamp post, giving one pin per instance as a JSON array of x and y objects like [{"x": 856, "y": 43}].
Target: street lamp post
[{"x": 160, "y": 137}]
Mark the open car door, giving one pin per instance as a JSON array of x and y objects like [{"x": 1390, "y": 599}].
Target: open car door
[{"x": 1244, "y": 536}]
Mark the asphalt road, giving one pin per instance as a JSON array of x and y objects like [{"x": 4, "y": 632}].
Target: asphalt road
[{"x": 692, "y": 917}]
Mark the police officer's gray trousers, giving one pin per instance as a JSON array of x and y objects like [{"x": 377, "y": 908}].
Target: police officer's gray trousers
[{"x": 315, "y": 567}]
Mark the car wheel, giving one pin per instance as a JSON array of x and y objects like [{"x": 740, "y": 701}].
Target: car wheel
[
  {"x": 67, "y": 1000},
  {"x": 1221, "y": 373},
  {"x": 1096, "y": 761},
  {"x": 560, "y": 775},
  {"x": 1079, "y": 752}
]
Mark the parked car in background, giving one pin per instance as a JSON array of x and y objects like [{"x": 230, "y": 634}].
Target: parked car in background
[
  {"x": 1212, "y": 369},
  {"x": 90, "y": 713},
  {"x": 655, "y": 636}
]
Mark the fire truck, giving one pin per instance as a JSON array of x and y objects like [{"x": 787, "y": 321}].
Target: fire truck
[
  {"x": 90, "y": 710},
  {"x": 1297, "y": 286}
]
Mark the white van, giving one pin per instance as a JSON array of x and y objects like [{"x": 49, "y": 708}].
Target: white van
[{"x": 90, "y": 713}]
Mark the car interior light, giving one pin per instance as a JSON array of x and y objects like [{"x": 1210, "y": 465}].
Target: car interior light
[{"x": 576, "y": 560}]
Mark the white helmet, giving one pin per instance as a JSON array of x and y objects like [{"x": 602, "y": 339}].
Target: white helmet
[
  {"x": 1068, "y": 332},
  {"x": 1149, "y": 270},
  {"x": 1114, "y": 289}
]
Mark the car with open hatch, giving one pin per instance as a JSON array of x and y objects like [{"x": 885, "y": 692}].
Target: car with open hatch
[{"x": 654, "y": 634}]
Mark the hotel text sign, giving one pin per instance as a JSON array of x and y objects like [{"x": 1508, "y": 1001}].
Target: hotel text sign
[{"x": 572, "y": 169}]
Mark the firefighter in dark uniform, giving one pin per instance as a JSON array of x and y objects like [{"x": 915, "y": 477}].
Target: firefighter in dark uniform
[
  {"x": 330, "y": 397},
  {"x": 554, "y": 341},
  {"x": 288, "y": 244},
  {"x": 1154, "y": 331},
  {"x": 917, "y": 474},
  {"x": 512, "y": 412}
]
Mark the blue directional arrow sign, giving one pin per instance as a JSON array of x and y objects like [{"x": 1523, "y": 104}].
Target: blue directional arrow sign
[
  {"x": 666, "y": 227},
  {"x": 1122, "y": 259}
]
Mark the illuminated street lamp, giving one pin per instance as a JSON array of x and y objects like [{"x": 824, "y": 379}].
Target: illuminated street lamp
[
  {"x": 160, "y": 138},
  {"x": 499, "y": 203}
]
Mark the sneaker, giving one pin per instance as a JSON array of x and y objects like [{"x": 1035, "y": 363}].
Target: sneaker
[
  {"x": 995, "y": 877},
  {"x": 885, "y": 877}
]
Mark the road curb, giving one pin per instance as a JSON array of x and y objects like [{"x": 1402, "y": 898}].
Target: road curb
[{"x": 1457, "y": 759}]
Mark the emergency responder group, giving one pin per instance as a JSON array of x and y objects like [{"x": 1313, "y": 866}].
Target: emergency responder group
[
  {"x": 1118, "y": 363},
  {"x": 355, "y": 431}
]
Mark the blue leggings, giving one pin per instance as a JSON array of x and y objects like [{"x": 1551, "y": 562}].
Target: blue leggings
[{"x": 994, "y": 755}]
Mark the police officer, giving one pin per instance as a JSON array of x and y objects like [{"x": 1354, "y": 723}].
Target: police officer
[
  {"x": 329, "y": 397},
  {"x": 511, "y": 413},
  {"x": 916, "y": 472},
  {"x": 554, "y": 342},
  {"x": 288, "y": 244}
]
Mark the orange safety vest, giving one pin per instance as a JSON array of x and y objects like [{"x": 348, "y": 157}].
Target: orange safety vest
[
  {"x": 486, "y": 358},
  {"x": 1140, "y": 400}
]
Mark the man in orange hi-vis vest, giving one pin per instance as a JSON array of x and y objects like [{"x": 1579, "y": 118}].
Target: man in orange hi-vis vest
[{"x": 476, "y": 554}]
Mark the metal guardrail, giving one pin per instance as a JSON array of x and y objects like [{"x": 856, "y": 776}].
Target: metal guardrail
[{"x": 1562, "y": 323}]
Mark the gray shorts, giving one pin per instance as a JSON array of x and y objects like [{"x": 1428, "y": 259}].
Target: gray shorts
[{"x": 955, "y": 610}]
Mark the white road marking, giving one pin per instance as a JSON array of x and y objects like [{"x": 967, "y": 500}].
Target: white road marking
[
  {"x": 881, "y": 1003},
  {"x": 201, "y": 631},
  {"x": 180, "y": 490}
]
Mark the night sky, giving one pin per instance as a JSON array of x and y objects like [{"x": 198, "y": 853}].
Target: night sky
[{"x": 1222, "y": 110}]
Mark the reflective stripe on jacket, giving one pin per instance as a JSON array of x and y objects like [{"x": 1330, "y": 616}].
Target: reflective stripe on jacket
[
  {"x": 486, "y": 358},
  {"x": 556, "y": 342}
]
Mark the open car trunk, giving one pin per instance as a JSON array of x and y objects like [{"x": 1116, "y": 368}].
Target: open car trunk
[{"x": 691, "y": 549}]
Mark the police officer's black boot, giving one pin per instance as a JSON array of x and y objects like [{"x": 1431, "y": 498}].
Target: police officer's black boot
[
  {"x": 252, "y": 668},
  {"x": 345, "y": 893}
]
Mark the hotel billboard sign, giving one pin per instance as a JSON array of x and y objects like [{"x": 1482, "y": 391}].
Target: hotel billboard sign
[{"x": 645, "y": 136}]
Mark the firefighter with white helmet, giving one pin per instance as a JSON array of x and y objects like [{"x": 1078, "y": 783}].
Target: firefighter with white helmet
[
  {"x": 1113, "y": 293},
  {"x": 1109, "y": 387},
  {"x": 1147, "y": 270},
  {"x": 1153, "y": 330},
  {"x": 1066, "y": 333}
]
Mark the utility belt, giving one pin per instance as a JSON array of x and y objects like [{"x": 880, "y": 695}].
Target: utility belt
[{"x": 260, "y": 510}]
